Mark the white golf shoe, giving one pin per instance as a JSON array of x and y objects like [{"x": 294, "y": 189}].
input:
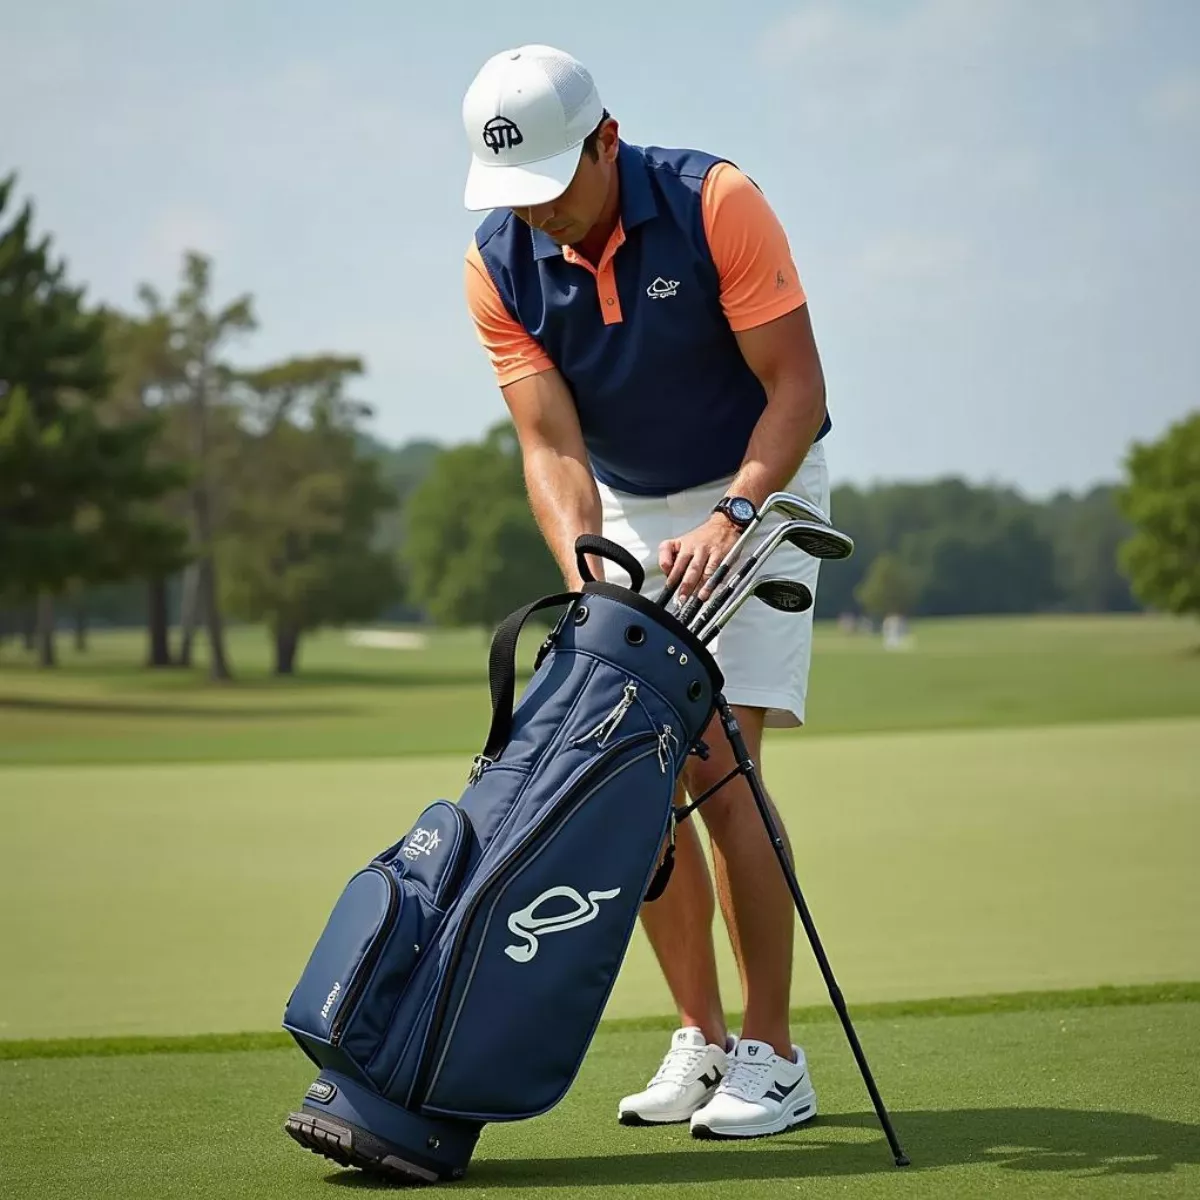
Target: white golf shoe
[
  {"x": 761, "y": 1093},
  {"x": 687, "y": 1078}
]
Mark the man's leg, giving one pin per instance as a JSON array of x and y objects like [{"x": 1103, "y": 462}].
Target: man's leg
[
  {"x": 679, "y": 925},
  {"x": 754, "y": 896}
]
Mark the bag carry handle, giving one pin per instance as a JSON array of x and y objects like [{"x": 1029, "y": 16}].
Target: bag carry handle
[
  {"x": 593, "y": 543},
  {"x": 502, "y": 675}
]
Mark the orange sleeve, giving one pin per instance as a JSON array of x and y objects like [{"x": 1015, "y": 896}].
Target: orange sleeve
[
  {"x": 513, "y": 352},
  {"x": 759, "y": 280}
]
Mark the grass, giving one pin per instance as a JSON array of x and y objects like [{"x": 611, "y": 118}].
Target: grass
[
  {"x": 180, "y": 899},
  {"x": 354, "y": 702},
  {"x": 1007, "y": 816},
  {"x": 1018, "y": 1104}
]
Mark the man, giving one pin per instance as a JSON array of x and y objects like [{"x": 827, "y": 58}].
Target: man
[{"x": 651, "y": 338}]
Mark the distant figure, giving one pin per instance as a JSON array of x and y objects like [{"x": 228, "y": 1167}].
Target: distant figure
[{"x": 895, "y": 633}]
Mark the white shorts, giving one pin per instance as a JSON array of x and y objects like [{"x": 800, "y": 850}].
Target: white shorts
[{"x": 763, "y": 654}]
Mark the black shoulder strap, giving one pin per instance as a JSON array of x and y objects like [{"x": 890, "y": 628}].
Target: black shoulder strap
[{"x": 502, "y": 670}]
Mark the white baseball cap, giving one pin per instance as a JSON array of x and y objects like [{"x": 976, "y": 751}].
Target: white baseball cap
[{"x": 527, "y": 114}]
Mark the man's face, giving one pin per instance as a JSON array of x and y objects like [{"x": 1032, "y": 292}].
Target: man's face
[{"x": 568, "y": 218}]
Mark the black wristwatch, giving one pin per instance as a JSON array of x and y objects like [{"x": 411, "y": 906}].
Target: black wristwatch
[{"x": 738, "y": 509}]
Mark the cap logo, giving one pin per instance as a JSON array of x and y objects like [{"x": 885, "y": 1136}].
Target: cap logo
[{"x": 501, "y": 134}]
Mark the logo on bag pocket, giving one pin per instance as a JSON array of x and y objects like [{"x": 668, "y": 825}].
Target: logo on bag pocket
[
  {"x": 333, "y": 995},
  {"x": 524, "y": 924},
  {"x": 423, "y": 841}
]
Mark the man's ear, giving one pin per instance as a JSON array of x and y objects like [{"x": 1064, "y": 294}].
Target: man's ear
[{"x": 610, "y": 139}]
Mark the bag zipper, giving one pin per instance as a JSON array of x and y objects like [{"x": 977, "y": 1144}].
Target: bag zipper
[
  {"x": 607, "y": 727},
  {"x": 665, "y": 738},
  {"x": 566, "y": 801},
  {"x": 367, "y": 966}
]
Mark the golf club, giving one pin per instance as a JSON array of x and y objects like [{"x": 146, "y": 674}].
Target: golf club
[
  {"x": 775, "y": 591},
  {"x": 793, "y": 507},
  {"x": 821, "y": 541}
]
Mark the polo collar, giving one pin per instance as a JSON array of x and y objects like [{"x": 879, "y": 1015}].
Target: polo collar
[{"x": 638, "y": 203}]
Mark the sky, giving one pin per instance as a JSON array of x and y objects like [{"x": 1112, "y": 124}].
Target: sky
[{"x": 994, "y": 205}]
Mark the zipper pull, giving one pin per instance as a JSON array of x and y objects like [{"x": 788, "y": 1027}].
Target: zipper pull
[
  {"x": 608, "y": 726},
  {"x": 479, "y": 764},
  {"x": 665, "y": 738}
]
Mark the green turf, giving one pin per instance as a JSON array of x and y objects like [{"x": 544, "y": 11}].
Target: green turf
[
  {"x": 1095, "y": 1104},
  {"x": 354, "y": 702},
  {"x": 185, "y": 899},
  {"x": 1106, "y": 996}
]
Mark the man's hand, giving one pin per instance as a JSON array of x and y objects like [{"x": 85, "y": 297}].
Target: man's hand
[{"x": 695, "y": 556}]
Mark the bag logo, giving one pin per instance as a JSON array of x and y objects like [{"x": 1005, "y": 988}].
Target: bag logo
[
  {"x": 423, "y": 841},
  {"x": 321, "y": 1090},
  {"x": 525, "y": 925},
  {"x": 501, "y": 134},
  {"x": 333, "y": 995},
  {"x": 662, "y": 288}
]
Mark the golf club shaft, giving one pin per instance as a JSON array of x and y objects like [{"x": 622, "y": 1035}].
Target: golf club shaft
[
  {"x": 708, "y": 629},
  {"x": 718, "y": 602},
  {"x": 737, "y": 742}
]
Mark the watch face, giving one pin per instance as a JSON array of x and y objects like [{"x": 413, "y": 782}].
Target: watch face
[{"x": 741, "y": 509}]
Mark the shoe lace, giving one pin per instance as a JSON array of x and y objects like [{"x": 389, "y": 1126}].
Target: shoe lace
[
  {"x": 746, "y": 1080},
  {"x": 678, "y": 1065}
]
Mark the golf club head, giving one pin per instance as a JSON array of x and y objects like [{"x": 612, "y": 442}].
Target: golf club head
[
  {"x": 820, "y": 541},
  {"x": 795, "y": 508},
  {"x": 780, "y": 592},
  {"x": 776, "y": 591}
]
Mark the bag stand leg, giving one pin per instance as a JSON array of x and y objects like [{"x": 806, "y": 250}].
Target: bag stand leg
[{"x": 746, "y": 767}]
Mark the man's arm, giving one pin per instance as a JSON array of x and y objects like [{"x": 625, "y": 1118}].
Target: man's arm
[
  {"x": 783, "y": 354},
  {"x": 764, "y": 302},
  {"x": 562, "y": 490},
  {"x": 558, "y": 478}
]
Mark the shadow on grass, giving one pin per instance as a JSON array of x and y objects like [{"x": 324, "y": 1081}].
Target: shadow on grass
[
  {"x": 1009, "y": 1139},
  {"x": 148, "y": 708}
]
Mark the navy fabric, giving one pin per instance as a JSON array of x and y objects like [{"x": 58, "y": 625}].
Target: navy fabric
[
  {"x": 665, "y": 398},
  {"x": 502, "y": 919}
]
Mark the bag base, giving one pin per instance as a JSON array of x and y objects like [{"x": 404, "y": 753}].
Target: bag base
[{"x": 355, "y": 1127}]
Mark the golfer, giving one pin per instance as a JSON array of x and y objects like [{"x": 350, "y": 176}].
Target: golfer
[{"x": 651, "y": 338}]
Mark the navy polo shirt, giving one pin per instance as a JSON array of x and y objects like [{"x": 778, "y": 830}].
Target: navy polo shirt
[{"x": 665, "y": 398}]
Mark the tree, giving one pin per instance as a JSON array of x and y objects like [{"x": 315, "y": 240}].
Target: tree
[
  {"x": 888, "y": 587},
  {"x": 1004, "y": 565},
  {"x": 77, "y": 492},
  {"x": 471, "y": 543},
  {"x": 1161, "y": 498},
  {"x": 200, "y": 381},
  {"x": 76, "y": 503},
  {"x": 296, "y": 542},
  {"x": 1086, "y": 532},
  {"x": 146, "y": 380}
]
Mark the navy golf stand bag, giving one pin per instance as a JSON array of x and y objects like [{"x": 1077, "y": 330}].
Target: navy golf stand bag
[{"x": 501, "y": 921}]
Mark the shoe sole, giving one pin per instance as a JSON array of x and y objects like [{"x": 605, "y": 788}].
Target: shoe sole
[
  {"x": 706, "y": 1133},
  {"x": 349, "y": 1146},
  {"x": 632, "y": 1118}
]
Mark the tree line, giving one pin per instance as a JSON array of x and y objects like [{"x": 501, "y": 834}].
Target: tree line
[{"x": 144, "y": 479}]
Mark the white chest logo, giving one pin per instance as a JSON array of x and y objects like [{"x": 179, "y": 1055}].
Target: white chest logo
[
  {"x": 525, "y": 925},
  {"x": 662, "y": 288}
]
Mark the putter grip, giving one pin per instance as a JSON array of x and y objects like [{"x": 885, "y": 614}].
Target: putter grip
[{"x": 593, "y": 543}]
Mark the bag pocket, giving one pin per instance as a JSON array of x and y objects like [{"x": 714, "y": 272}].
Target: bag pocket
[
  {"x": 540, "y": 943},
  {"x": 374, "y": 937}
]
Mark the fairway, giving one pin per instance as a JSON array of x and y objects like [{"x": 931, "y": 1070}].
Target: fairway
[
  {"x": 173, "y": 899},
  {"x": 353, "y": 702},
  {"x": 1003, "y": 812},
  {"x": 1018, "y": 1105}
]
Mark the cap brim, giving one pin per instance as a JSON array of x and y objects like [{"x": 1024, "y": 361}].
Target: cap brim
[{"x": 520, "y": 187}]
